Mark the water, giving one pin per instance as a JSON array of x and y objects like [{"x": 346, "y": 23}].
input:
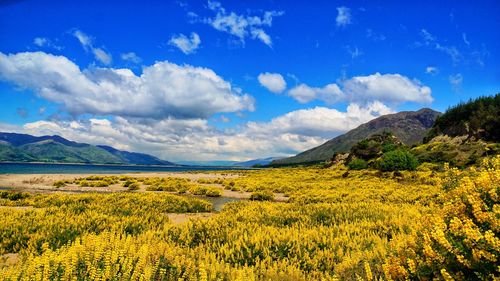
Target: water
[
  {"x": 31, "y": 168},
  {"x": 218, "y": 202}
]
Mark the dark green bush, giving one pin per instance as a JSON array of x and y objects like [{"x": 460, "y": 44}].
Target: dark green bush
[
  {"x": 357, "y": 164},
  {"x": 397, "y": 160}
]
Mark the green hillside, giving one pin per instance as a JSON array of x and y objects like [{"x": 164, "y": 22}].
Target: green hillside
[{"x": 55, "y": 149}]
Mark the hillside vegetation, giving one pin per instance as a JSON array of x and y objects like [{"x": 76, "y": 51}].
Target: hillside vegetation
[
  {"x": 478, "y": 119},
  {"x": 410, "y": 127}
]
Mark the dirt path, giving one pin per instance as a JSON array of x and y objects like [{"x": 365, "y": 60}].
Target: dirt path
[
  {"x": 8, "y": 259},
  {"x": 182, "y": 218},
  {"x": 20, "y": 208}
]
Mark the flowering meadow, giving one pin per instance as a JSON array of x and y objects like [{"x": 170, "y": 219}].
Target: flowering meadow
[{"x": 427, "y": 224}]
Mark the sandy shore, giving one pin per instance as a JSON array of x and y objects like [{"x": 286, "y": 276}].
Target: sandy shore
[{"x": 43, "y": 183}]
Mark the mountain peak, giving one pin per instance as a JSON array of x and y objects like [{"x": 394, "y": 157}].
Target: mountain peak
[{"x": 408, "y": 126}]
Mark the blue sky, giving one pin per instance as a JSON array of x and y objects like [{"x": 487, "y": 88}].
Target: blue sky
[{"x": 234, "y": 80}]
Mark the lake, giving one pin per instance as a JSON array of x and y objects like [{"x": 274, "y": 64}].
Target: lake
[{"x": 39, "y": 168}]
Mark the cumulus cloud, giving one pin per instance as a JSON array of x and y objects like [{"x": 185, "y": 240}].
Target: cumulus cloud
[
  {"x": 194, "y": 139},
  {"x": 393, "y": 88},
  {"x": 330, "y": 93},
  {"x": 343, "y": 16},
  {"x": 163, "y": 89},
  {"x": 242, "y": 26},
  {"x": 274, "y": 82},
  {"x": 187, "y": 45},
  {"x": 319, "y": 121},
  {"x": 131, "y": 57},
  {"x": 88, "y": 44}
]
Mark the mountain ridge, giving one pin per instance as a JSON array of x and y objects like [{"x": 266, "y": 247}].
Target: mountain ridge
[
  {"x": 409, "y": 126},
  {"x": 15, "y": 147}
]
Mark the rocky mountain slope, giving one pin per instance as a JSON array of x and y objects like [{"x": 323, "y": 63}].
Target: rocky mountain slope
[{"x": 408, "y": 126}]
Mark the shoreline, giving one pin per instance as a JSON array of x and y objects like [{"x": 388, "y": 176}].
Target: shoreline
[
  {"x": 43, "y": 183},
  {"x": 82, "y": 169}
]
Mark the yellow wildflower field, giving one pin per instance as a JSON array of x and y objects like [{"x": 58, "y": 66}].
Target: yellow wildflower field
[{"x": 334, "y": 225}]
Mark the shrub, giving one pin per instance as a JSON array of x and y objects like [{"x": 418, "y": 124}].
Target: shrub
[
  {"x": 213, "y": 192},
  {"x": 357, "y": 164},
  {"x": 59, "y": 184},
  {"x": 398, "y": 160},
  {"x": 262, "y": 196},
  {"x": 133, "y": 186},
  {"x": 128, "y": 182},
  {"x": 198, "y": 190},
  {"x": 460, "y": 241},
  {"x": 84, "y": 183}
]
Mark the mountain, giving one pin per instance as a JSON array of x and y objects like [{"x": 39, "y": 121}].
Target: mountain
[
  {"x": 214, "y": 163},
  {"x": 55, "y": 149},
  {"x": 253, "y": 162},
  {"x": 408, "y": 126},
  {"x": 134, "y": 157}
]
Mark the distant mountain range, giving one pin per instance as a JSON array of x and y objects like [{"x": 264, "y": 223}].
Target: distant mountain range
[
  {"x": 254, "y": 162},
  {"x": 408, "y": 126},
  {"x": 213, "y": 163},
  {"x": 55, "y": 149},
  {"x": 228, "y": 163}
]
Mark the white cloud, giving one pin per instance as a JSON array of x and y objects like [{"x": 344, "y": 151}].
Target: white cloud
[
  {"x": 88, "y": 44},
  {"x": 194, "y": 139},
  {"x": 432, "y": 42},
  {"x": 343, "y": 16},
  {"x": 40, "y": 42},
  {"x": 330, "y": 93},
  {"x": 102, "y": 56},
  {"x": 274, "y": 82},
  {"x": 41, "y": 110},
  {"x": 46, "y": 42},
  {"x": 392, "y": 88},
  {"x": 375, "y": 36},
  {"x": 431, "y": 70},
  {"x": 162, "y": 90},
  {"x": 187, "y": 45},
  {"x": 131, "y": 57},
  {"x": 427, "y": 36},
  {"x": 319, "y": 121},
  {"x": 456, "y": 81},
  {"x": 354, "y": 52},
  {"x": 84, "y": 39},
  {"x": 464, "y": 37},
  {"x": 242, "y": 26}
]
